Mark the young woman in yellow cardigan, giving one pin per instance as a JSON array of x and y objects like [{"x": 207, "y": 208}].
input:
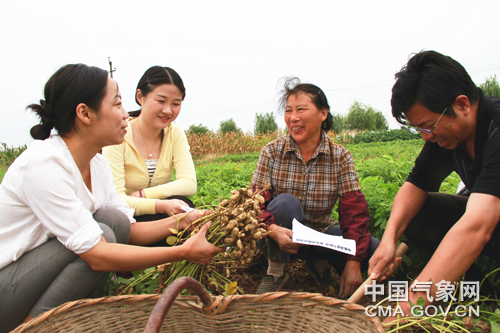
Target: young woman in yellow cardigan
[{"x": 154, "y": 146}]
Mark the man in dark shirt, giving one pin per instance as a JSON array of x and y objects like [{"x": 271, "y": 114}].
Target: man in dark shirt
[{"x": 434, "y": 95}]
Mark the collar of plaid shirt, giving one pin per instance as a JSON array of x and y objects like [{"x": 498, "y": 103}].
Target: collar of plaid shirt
[{"x": 323, "y": 147}]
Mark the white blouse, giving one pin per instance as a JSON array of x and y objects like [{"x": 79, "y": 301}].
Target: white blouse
[{"x": 43, "y": 195}]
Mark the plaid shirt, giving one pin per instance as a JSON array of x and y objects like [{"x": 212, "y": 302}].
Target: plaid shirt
[{"x": 328, "y": 175}]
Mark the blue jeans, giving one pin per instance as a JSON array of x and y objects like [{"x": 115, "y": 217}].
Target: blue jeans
[
  {"x": 285, "y": 207},
  {"x": 51, "y": 275}
]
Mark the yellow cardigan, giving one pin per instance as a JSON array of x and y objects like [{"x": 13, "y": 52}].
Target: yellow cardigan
[{"x": 131, "y": 174}]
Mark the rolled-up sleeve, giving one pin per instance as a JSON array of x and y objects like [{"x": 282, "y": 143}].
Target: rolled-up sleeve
[
  {"x": 354, "y": 220},
  {"x": 53, "y": 200}
]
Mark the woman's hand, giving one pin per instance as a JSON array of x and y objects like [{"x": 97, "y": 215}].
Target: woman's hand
[
  {"x": 283, "y": 237},
  {"x": 136, "y": 194},
  {"x": 351, "y": 278},
  {"x": 170, "y": 206},
  {"x": 198, "y": 249},
  {"x": 187, "y": 220}
]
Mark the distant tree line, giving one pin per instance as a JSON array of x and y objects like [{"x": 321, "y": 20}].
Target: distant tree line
[
  {"x": 264, "y": 123},
  {"x": 360, "y": 117}
]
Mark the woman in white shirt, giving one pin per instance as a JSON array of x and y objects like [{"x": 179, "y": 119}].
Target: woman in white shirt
[{"x": 63, "y": 223}]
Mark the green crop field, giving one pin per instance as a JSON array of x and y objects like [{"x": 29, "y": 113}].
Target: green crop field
[{"x": 382, "y": 168}]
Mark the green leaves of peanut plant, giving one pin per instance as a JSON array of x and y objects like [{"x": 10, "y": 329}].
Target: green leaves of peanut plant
[
  {"x": 232, "y": 287},
  {"x": 172, "y": 240}
]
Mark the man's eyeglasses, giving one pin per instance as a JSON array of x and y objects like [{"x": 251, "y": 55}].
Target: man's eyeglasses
[{"x": 418, "y": 130}]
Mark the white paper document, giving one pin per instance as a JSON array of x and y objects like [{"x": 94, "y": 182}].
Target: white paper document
[
  {"x": 186, "y": 208},
  {"x": 308, "y": 236}
]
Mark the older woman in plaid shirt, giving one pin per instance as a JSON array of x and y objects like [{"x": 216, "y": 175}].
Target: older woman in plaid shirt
[{"x": 308, "y": 173}]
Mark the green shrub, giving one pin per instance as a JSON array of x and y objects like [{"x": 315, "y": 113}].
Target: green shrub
[
  {"x": 227, "y": 126},
  {"x": 491, "y": 87},
  {"x": 265, "y": 123},
  {"x": 364, "y": 117},
  {"x": 338, "y": 123},
  {"x": 198, "y": 129}
]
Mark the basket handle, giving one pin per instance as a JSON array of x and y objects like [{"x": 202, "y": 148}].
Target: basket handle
[{"x": 168, "y": 297}]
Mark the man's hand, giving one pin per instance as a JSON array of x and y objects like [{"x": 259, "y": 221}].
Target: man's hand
[
  {"x": 283, "y": 237},
  {"x": 351, "y": 278},
  {"x": 384, "y": 256}
]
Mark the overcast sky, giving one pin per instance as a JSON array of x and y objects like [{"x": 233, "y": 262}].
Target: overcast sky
[{"x": 232, "y": 54}]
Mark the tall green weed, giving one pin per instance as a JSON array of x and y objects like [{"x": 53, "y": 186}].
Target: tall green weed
[
  {"x": 2, "y": 172},
  {"x": 7, "y": 156}
]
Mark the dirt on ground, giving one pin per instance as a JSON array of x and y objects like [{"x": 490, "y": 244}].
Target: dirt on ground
[{"x": 249, "y": 278}]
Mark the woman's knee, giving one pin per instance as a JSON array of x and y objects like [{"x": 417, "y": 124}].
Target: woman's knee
[
  {"x": 28, "y": 278},
  {"x": 117, "y": 221},
  {"x": 373, "y": 246},
  {"x": 285, "y": 207},
  {"x": 107, "y": 233}
]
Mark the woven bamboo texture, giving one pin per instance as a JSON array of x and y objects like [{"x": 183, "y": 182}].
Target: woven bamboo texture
[{"x": 272, "y": 312}]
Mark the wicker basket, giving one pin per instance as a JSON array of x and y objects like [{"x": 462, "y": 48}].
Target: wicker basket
[{"x": 272, "y": 312}]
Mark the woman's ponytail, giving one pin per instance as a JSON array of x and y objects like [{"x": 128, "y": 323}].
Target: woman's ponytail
[
  {"x": 44, "y": 111},
  {"x": 67, "y": 87}
]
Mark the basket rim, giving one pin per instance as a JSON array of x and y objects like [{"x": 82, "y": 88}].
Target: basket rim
[{"x": 219, "y": 305}]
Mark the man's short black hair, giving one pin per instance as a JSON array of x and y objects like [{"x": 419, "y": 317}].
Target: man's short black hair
[{"x": 433, "y": 80}]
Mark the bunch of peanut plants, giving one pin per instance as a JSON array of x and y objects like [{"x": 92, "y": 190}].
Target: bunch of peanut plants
[{"x": 234, "y": 225}]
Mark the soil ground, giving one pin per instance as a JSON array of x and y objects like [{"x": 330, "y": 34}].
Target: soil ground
[{"x": 249, "y": 279}]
